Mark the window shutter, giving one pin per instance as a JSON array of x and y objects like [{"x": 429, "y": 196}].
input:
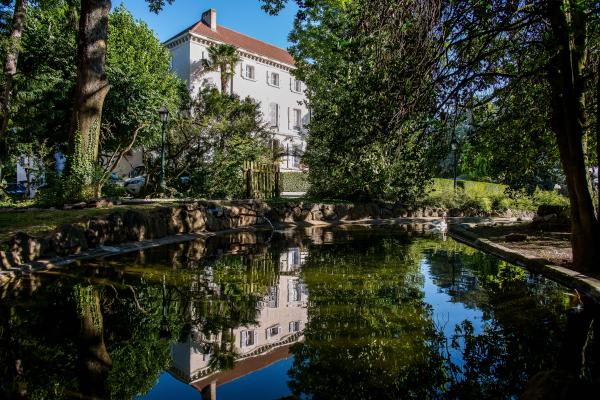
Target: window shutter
[
  {"x": 242, "y": 70},
  {"x": 277, "y": 115},
  {"x": 291, "y": 83},
  {"x": 289, "y": 119},
  {"x": 268, "y": 77},
  {"x": 255, "y": 337},
  {"x": 243, "y": 336},
  {"x": 291, "y": 326}
]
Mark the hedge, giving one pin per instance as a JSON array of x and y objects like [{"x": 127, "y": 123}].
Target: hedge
[{"x": 294, "y": 182}]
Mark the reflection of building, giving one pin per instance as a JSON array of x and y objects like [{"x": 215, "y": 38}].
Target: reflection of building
[
  {"x": 292, "y": 259},
  {"x": 281, "y": 320}
]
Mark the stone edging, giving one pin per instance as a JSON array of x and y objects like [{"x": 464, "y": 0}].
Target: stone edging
[{"x": 587, "y": 286}]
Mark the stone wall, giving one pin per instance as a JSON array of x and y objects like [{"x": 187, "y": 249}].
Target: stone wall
[{"x": 202, "y": 216}]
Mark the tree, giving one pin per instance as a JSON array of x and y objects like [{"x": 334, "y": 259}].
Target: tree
[
  {"x": 568, "y": 45},
  {"x": 479, "y": 50},
  {"x": 492, "y": 48},
  {"x": 365, "y": 64},
  {"x": 511, "y": 140},
  {"x": 10, "y": 70},
  {"x": 211, "y": 147},
  {"x": 138, "y": 67},
  {"x": 223, "y": 57},
  {"x": 91, "y": 88}
]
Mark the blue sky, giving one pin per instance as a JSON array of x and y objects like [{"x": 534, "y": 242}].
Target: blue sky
[{"x": 244, "y": 16}]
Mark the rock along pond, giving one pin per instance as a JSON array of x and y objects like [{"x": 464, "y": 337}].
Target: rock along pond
[{"x": 312, "y": 313}]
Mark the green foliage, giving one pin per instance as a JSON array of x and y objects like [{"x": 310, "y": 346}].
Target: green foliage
[
  {"x": 42, "y": 102},
  {"x": 294, "y": 182},
  {"x": 355, "y": 57},
  {"x": 113, "y": 190},
  {"x": 223, "y": 58},
  {"x": 487, "y": 197},
  {"x": 211, "y": 147},
  {"x": 549, "y": 198},
  {"x": 138, "y": 69},
  {"x": 512, "y": 140}
]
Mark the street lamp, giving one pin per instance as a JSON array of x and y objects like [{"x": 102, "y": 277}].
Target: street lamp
[
  {"x": 454, "y": 147},
  {"x": 164, "y": 117}
]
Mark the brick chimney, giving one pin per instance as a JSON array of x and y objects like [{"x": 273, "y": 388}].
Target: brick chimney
[{"x": 209, "y": 17}]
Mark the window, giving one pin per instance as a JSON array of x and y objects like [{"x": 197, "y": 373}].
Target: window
[
  {"x": 296, "y": 85},
  {"x": 295, "y": 326},
  {"x": 250, "y": 72},
  {"x": 295, "y": 252},
  {"x": 273, "y": 331},
  {"x": 294, "y": 290},
  {"x": 247, "y": 338},
  {"x": 273, "y": 78},
  {"x": 274, "y": 115},
  {"x": 297, "y": 122}
]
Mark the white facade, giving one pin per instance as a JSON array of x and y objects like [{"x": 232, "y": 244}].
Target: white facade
[{"x": 264, "y": 76}]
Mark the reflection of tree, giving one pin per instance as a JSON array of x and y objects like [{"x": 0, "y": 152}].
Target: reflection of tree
[
  {"x": 73, "y": 339},
  {"x": 94, "y": 360},
  {"x": 370, "y": 334},
  {"x": 522, "y": 327}
]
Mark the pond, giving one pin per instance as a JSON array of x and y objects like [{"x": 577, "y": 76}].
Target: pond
[{"x": 313, "y": 313}]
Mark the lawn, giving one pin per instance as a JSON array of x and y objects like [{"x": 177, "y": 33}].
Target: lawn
[{"x": 41, "y": 221}]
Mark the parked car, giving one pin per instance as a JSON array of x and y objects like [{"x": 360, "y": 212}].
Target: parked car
[
  {"x": 16, "y": 189},
  {"x": 134, "y": 186}
]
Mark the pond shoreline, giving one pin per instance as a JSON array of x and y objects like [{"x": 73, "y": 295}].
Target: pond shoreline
[
  {"x": 44, "y": 264},
  {"x": 587, "y": 286},
  {"x": 138, "y": 228}
]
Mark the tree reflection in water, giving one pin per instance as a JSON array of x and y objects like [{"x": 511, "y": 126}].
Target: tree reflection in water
[{"x": 354, "y": 301}]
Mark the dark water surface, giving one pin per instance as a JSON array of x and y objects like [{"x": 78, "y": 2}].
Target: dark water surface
[{"x": 353, "y": 313}]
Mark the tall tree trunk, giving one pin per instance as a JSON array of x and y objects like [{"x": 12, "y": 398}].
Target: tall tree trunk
[
  {"x": 568, "y": 43},
  {"x": 10, "y": 70},
  {"x": 88, "y": 99}
]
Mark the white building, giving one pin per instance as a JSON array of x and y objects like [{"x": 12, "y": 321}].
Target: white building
[{"x": 263, "y": 74}]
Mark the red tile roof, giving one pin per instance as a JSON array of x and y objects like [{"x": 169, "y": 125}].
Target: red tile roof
[{"x": 243, "y": 42}]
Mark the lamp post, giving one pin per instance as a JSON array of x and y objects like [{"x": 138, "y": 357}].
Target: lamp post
[
  {"x": 164, "y": 117},
  {"x": 454, "y": 147}
]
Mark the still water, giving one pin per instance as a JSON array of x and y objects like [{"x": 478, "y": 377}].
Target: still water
[{"x": 352, "y": 313}]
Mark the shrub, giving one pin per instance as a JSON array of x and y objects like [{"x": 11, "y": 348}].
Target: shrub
[
  {"x": 488, "y": 197},
  {"x": 294, "y": 182},
  {"x": 113, "y": 190},
  {"x": 549, "y": 198}
]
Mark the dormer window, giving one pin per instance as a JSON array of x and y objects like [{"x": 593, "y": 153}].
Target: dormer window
[{"x": 273, "y": 78}]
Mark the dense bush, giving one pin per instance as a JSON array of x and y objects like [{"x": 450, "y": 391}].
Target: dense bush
[
  {"x": 294, "y": 182},
  {"x": 487, "y": 197}
]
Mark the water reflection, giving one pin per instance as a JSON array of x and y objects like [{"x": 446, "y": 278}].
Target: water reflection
[
  {"x": 279, "y": 322},
  {"x": 321, "y": 313}
]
